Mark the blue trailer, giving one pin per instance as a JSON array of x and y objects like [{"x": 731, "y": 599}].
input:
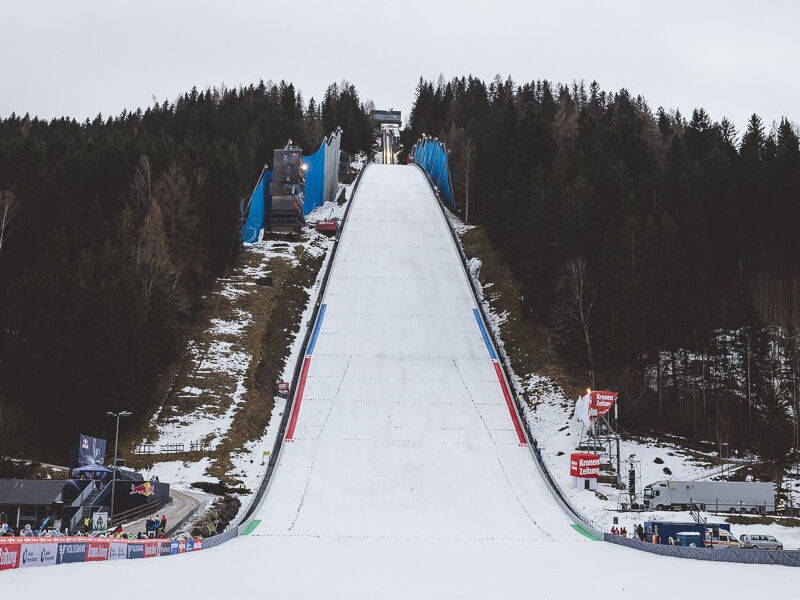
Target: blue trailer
[{"x": 670, "y": 529}]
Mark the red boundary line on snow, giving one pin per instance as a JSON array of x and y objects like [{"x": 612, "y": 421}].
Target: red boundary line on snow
[
  {"x": 298, "y": 399},
  {"x": 509, "y": 403}
]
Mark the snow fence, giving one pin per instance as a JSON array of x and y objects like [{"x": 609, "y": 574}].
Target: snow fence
[{"x": 432, "y": 156}]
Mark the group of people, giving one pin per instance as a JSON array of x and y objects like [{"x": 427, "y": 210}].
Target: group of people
[
  {"x": 155, "y": 526},
  {"x": 638, "y": 532}
]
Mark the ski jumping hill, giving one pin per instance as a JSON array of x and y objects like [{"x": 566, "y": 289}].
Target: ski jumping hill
[{"x": 404, "y": 473}]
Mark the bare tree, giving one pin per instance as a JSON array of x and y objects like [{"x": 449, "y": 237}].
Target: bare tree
[
  {"x": 467, "y": 167},
  {"x": 152, "y": 252},
  {"x": 141, "y": 185},
  {"x": 573, "y": 311},
  {"x": 8, "y": 209}
]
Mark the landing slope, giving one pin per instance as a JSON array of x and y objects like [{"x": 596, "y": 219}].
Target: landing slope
[{"x": 403, "y": 429}]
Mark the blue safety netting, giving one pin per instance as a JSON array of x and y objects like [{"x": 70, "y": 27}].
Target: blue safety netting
[
  {"x": 431, "y": 155},
  {"x": 322, "y": 173},
  {"x": 321, "y": 184},
  {"x": 258, "y": 207},
  {"x": 315, "y": 179}
]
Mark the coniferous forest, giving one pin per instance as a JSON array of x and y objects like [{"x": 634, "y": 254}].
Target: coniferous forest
[
  {"x": 658, "y": 251},
  {"x": 112, "y": 229}
]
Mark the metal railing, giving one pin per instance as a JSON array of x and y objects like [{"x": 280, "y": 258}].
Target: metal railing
[{"x": 138, "y": 511}]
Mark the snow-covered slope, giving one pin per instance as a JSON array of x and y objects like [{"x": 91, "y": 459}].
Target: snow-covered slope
[
  {"x": 403, "y": 429},
  {"x": 405, "y": 478}
]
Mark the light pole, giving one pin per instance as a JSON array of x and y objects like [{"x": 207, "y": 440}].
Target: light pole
[{"x": 117, "y": 415}]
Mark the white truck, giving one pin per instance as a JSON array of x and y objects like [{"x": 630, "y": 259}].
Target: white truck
[{"x": 726, "y": 496}]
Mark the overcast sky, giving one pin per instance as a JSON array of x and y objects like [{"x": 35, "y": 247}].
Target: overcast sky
[{"x": 80, "y": 58}]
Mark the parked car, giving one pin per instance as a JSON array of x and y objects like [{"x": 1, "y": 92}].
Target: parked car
[
  {"x": 760, "y": 542},
  {"x": 725, "y": 539}
]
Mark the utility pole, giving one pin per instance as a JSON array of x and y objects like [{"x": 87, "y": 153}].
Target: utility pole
[{"x": 117, "y": 415}]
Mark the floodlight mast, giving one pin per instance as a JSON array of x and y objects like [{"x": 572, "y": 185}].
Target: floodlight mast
[{"x": 117, "y": 415}]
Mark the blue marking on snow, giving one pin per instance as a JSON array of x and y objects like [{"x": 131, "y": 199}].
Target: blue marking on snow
[
  {"x": 484, "y": 334},
  {"x": 317, "y": 326}
]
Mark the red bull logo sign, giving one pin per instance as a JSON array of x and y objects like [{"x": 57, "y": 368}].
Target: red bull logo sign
[{"x": 145, "y": 489}]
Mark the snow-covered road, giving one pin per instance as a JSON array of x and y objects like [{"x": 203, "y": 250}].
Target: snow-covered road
[{"x": 405, "y": 477}]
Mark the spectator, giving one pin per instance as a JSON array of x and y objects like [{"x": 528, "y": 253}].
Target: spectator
[
  {"x": 623, "y": 532},
  {"x": 27, "y": 531},
  {"x": 5, "y": 529},
  {"x": 164, "y": 523},
  {"x": 640, "y": 531}
]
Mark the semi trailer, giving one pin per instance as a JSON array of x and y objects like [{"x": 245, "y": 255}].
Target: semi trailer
[{"x": 725, "y": 496}]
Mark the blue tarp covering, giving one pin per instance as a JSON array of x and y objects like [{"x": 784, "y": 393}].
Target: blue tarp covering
[
  {"x": 258, "y": 201},
  {"x": 315, "y": 180},
  {"x": 431, "y": 155},
  {"x": 321, "y": 184}
]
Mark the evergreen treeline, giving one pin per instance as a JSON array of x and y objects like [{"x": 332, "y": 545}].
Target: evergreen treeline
[
  {"x": 660, "y": 252},
  {"x": 110, "y": 232}
]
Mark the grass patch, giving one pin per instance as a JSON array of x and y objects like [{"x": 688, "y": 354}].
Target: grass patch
[{"x": 269, "y": 348}]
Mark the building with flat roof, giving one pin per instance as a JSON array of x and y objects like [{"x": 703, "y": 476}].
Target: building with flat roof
[{"x": 25, "y": 501}]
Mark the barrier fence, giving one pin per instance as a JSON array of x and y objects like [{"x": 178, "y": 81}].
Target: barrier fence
[
  {"x": 432, "y": 156},
  {"x": 22, "y": 552},
  {"x": 787, "y": 558}
]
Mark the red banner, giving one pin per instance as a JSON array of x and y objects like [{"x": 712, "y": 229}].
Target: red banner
[
  {"x": 97, "y": 550},
  {"x": 198, "y": 543},
  {"x": 583, "y": 464},
  {"x": 151, "y": 549},
  {"x": 9, "y": 554},
  {"x": 601, "y": 402}
]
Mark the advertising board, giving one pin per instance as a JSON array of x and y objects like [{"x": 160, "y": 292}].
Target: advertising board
[
  {"x": 151, "y": 549},
  {"x": 38, "y": 554},
  {"x": 601, "y": 402},
  {"x": 9, "y": 554},
  {"x": 135, "y": 550},
  {"x": 117, "y": 550},
  {"x": 97, "y": 550},
  {"x": 584, "y": 464},
  {"x": 71, "y": 552}
]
